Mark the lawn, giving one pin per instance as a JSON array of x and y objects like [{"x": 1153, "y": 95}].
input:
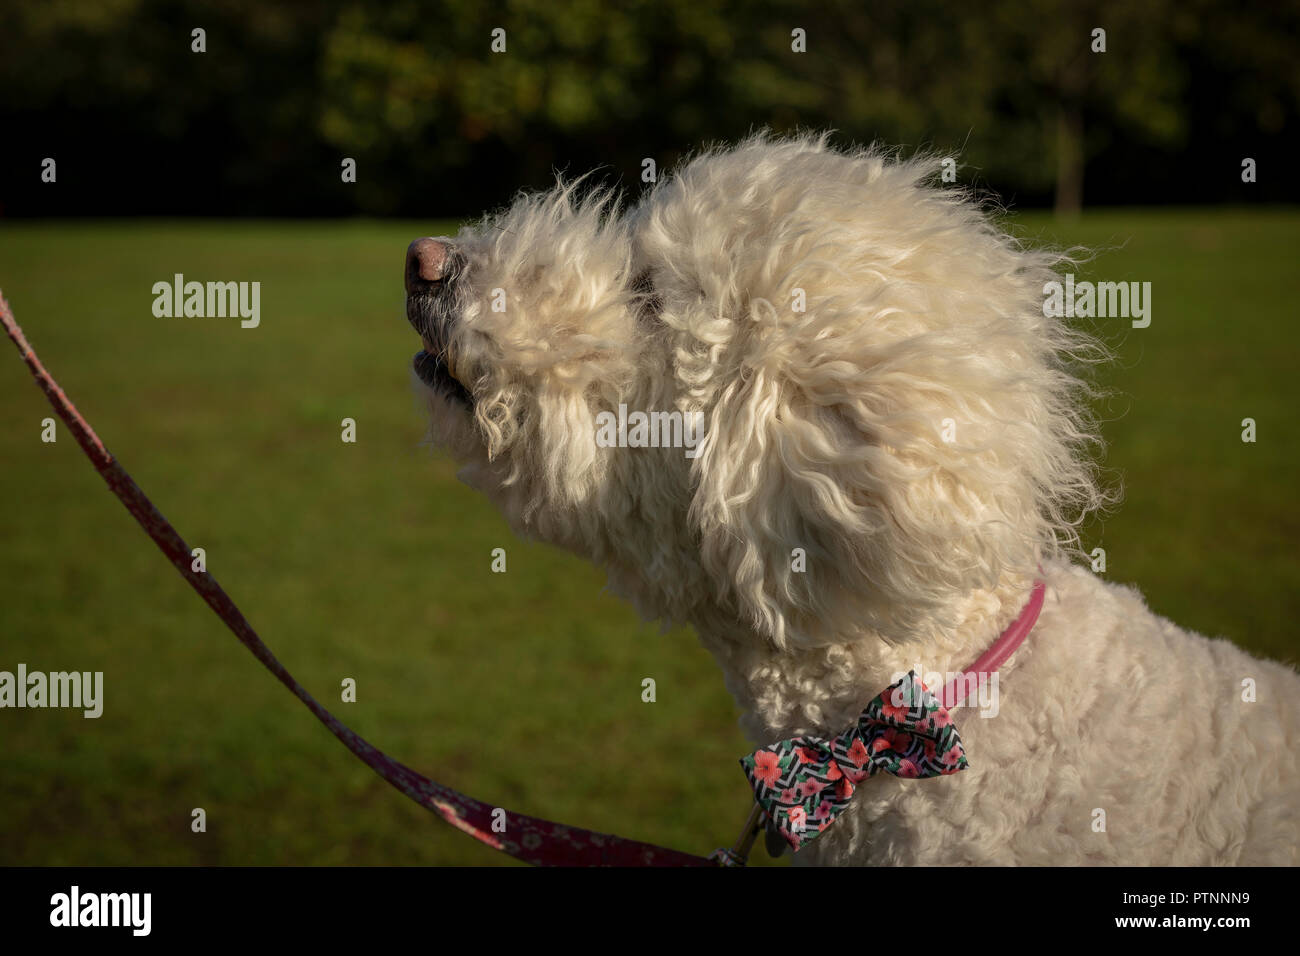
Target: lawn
[{"x": 369, "y": 561}]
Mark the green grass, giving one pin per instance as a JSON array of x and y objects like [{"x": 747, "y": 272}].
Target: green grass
[
  {"x": 370, "y": 561},
  {"x": 1208, "y": 525}
]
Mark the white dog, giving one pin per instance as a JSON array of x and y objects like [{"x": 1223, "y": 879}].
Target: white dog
[{"x": 892, "y": 450}]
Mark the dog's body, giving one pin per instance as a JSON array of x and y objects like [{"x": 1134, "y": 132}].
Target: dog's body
[
  {"x": 894, "y": 448},
  {"x": 1108, "y": 716}
]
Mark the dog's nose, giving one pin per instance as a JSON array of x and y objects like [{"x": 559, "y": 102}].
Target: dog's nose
[{"x": 427, "y": 262}]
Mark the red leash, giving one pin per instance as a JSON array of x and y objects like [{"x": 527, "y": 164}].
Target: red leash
[{"x": 530, "y": 839}]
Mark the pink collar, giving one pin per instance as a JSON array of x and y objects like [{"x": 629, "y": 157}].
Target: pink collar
[{"x": 955, "y": 691}]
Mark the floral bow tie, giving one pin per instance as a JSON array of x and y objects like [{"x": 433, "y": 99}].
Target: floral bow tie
[{"x": 804, "y": 783}]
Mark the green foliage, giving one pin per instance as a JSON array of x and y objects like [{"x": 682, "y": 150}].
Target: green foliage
[{"x": 439, "y": 122}]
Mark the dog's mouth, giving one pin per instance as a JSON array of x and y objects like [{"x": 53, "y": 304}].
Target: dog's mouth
[
  {"x": 432, "y": 265},
  {"x": 431, "y": 362},
  {"x": 431, "y": 367}
]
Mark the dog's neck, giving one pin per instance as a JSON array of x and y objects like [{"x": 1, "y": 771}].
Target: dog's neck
[{"x": 821, "y": 690}]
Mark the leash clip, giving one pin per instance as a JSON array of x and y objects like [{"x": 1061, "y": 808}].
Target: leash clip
[{"x": 738, "y": 855}]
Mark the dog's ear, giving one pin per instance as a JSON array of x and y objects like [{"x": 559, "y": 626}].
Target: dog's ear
[
  {"x": 789, "y": 508},
  {"x": 891, "y": 419},
  {"x": 550, "y": 320},
  {"x": 864, "y": 467}
]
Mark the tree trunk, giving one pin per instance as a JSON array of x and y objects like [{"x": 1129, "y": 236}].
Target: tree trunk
[{"x": 1069, "y": 159}]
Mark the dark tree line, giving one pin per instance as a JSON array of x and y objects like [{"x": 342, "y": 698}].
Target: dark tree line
[{"x": 439, "y": 124}]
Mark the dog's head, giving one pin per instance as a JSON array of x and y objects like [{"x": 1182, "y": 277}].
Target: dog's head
[{"x": 889, "y": 419}]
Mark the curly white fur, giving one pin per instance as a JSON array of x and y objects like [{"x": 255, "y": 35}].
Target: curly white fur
[{"x": 825, "y": 431}]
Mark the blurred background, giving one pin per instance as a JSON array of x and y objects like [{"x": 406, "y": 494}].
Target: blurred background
[
  {"x": 369, "y": 560},
  {"x": 438, "y": 123}
]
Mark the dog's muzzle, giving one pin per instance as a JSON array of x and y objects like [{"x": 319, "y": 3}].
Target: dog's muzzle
[{"x": 432, "y": 265}]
